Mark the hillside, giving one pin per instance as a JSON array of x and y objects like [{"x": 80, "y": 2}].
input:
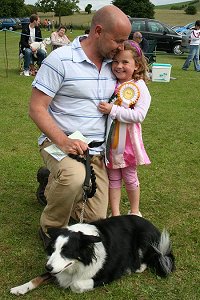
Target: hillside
[
  {"x": 179, "y": 5},
  {"x": 163, "y": 13},
  {"x": 175, "y": 17}
]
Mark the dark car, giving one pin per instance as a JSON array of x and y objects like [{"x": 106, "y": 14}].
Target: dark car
[
  {"x": 8, "y": 23},
  {"x": 167, "y": 39},
  {"x": 25, "y": 21}
]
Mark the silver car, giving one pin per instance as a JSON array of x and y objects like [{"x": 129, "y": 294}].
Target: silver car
[{"x": 185, "y": 43}]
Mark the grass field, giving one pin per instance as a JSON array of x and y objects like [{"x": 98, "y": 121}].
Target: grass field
[
  {"x": 170, "y": 17},
  {"x": 175, "y": 17},
  {"x": 180, "y": 5},
  {"x": 169, "y": 186}
]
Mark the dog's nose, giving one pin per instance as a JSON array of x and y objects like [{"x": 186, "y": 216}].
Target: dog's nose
[{"x": 49, "y": 268}]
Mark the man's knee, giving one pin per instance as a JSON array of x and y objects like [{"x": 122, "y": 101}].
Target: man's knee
[
  {"x": 71, "y": 180},
  {"x": 41, "y": 54},
  {"x": 27, "y": 51}
]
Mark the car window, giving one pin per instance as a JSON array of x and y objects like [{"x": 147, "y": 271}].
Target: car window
[
  {"x": 138, "y": 25},
  {"x": 155, "y": 27}
]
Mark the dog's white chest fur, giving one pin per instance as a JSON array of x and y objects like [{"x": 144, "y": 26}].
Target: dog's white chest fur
[{"x": 77, "y": 276}]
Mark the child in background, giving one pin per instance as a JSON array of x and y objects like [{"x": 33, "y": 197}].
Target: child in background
[
  {"x": 194, "y": 48},
  {"x": 126, "y": 111}
]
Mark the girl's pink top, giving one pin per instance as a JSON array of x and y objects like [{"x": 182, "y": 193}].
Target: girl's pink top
[{"x": 133, "y": 153}]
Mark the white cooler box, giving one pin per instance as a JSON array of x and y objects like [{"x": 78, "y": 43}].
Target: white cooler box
[{"x": 161, "y": 72}]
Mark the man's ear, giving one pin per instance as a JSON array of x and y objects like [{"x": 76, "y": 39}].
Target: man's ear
[{"x": 98, "y": 29}]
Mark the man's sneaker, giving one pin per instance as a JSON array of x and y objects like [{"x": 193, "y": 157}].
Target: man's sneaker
[
  {"x": 26, "y": 73},
  {"x": 42, "y": 178},
  {"x": 46, "y": 241}
]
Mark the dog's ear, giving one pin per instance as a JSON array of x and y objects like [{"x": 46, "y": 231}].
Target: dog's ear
[
  {"x": 89, "y": 239},
  {"x": 85, "y": 247},
  {"x": 55, "y": 232}
]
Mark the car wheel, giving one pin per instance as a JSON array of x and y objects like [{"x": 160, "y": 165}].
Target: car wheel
[{"x": 176, "y": 49}]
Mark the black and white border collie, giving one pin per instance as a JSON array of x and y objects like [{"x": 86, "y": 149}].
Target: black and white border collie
[{"x": 86, "y": 256}]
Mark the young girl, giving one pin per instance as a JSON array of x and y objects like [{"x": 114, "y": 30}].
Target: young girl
[
  {"x": 194, "y": 48},
  {"x": 127, "y": 110}
]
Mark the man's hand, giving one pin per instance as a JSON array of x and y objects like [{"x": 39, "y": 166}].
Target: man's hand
[
  {"x": 105, "y": 108},
  {"x": 74, "y": 146},
  {"x": 33, "y": 49}
]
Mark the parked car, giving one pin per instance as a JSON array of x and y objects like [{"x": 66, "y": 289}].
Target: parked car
[
  {"x": 8, "y": 23},
  {"x": 175, "y": 27},
  {"x": 185, "y": 44},
  {"x": 182, "y": 29},
  {"x": 167, "y": 39},
  {"x": 18, "y": 23},
  {"x": 25, "y": 21}
]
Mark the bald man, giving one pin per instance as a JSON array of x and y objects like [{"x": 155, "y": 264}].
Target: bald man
[
  {"x": 141, "y": 41},
  {"x": 67, "y": 90}
]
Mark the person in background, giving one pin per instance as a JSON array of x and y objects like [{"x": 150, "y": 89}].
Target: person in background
[
  {"x": 70, "y": 28},
  {"x": 141, "y": 41},
  {"x": 31, "y": 33},
  {"x": 59, "y": 38},
  {"x": 126, "y": 111},
  {"x": 66, "y": 92},
  {"x": 53, "y": 25},
  {"x": 49, "y": 25},
  {"x": 194, "y": 48},
  {"x": 45, "y": 24}
]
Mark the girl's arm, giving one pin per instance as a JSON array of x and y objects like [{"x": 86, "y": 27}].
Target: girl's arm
[{"x": 138, "y": 114}]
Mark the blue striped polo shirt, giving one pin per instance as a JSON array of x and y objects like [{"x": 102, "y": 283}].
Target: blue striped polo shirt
[{"x": 76, "y": 87}]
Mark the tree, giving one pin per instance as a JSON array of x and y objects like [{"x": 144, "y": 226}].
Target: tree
[
  {"x": 191, "y": 10},
  {"x": 60, "y": 7},
  {"x": 11, "y": 8},
  {"x": 29, "y": 10},
  {"x": 136, "y": 8},
  {"x": 88, "y": 8}
]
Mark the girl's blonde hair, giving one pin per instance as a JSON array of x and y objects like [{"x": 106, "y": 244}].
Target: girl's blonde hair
[{"x": 140, "y": 61}]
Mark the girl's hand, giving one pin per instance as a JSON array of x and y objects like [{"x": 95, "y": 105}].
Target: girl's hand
[{"x": 105, "y": 108}]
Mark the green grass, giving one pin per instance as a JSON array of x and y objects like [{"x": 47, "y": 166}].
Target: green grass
[
  {"x": 179, "y": 4},
  {"x": 175, "y": 17},
  {"x": 162, "y": 13},
  {"x": 169, "y": 186}
]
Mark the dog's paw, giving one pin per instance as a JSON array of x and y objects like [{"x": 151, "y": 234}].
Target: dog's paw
[
  {"x": 141, "y": 269},
  {"x": 22, "y": 289},
  {"x": 81, "y": 286}
]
